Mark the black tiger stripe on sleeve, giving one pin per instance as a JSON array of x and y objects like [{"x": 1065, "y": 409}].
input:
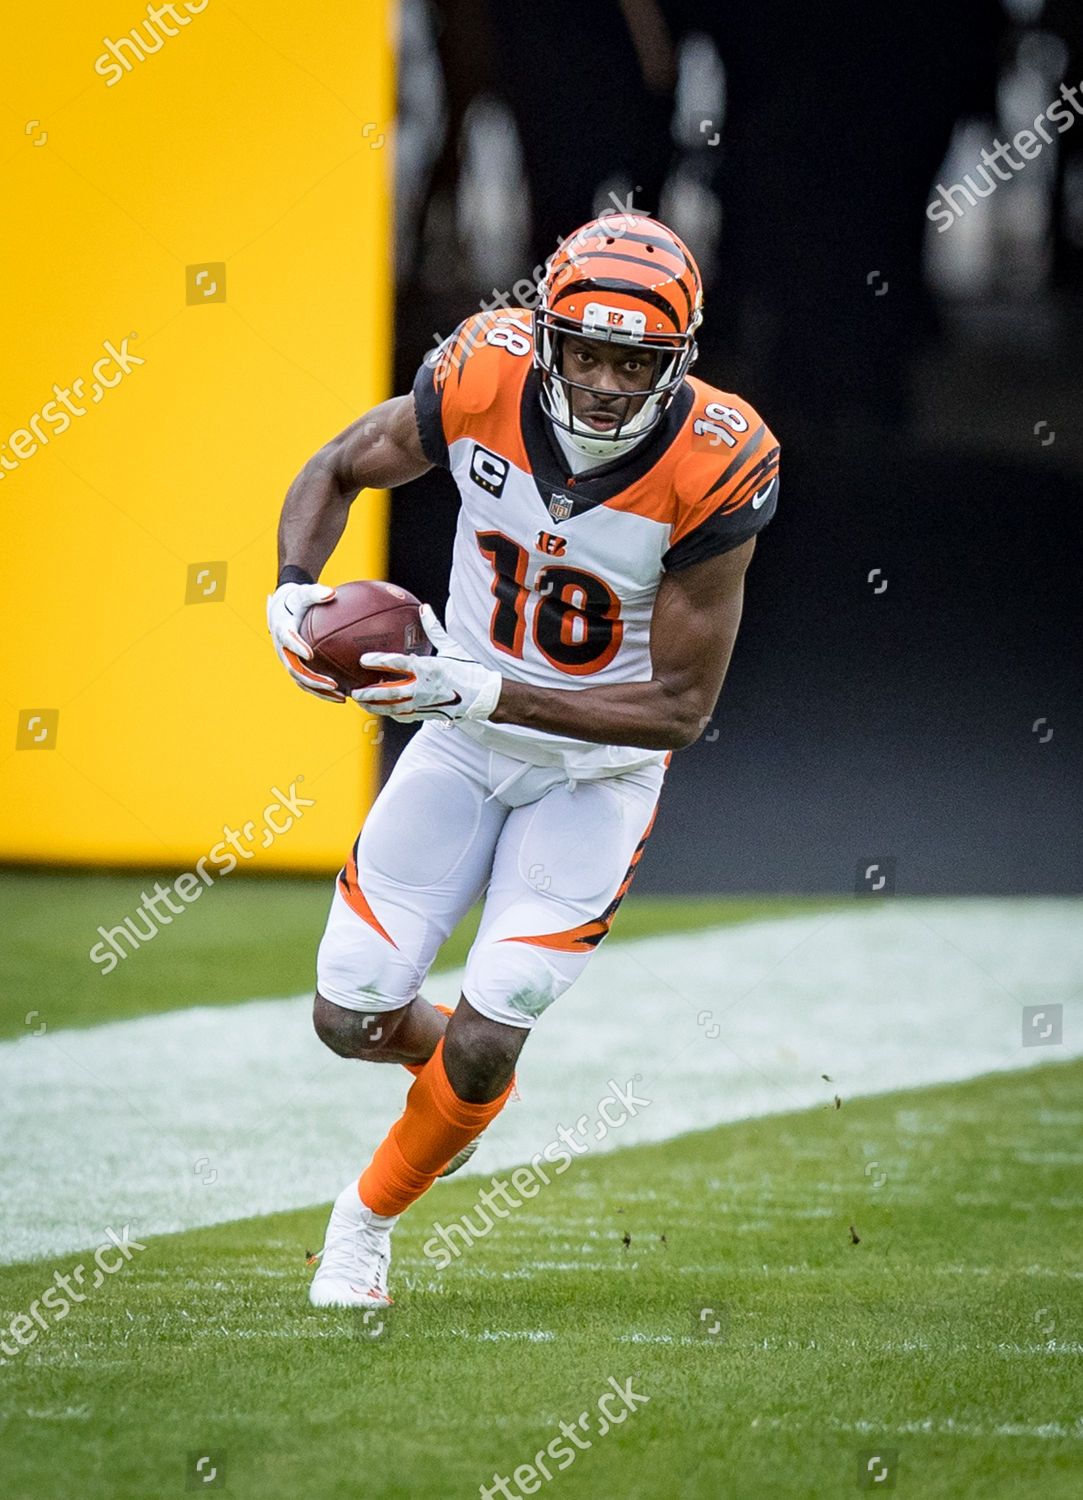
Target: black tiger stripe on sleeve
[
  {"x": 723, "y": 530},
  {"x": 428, "y": 406},
  {"x": 724, "y": 495}
]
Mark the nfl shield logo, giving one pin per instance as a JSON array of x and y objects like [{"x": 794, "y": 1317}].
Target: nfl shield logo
[{"x": 560, "y": 506}]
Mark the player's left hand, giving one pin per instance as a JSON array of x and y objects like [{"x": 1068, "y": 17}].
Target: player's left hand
[{"x": 449, "y": 685}]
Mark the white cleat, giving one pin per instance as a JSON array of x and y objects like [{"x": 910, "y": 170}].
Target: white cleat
[{"x": 356, "y": 1253}]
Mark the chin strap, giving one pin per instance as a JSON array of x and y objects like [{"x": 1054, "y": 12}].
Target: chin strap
[
  {"x": 583, "y": 442},
  {"x": 595, "y": 453}
]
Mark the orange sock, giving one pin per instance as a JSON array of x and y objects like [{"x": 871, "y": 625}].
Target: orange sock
[
  {"x": 415, "y": 1068},
  {"x": 434, "y": 1126}
]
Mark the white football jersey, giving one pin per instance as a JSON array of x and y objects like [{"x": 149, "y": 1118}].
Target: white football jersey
[{"x": 554, "y": 574}]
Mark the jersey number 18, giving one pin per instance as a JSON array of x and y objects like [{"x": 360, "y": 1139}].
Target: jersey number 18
[{"x": 576, "y": 625}]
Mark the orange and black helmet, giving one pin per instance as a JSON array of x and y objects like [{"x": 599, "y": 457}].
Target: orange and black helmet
[{"x": 623, "y": 278}]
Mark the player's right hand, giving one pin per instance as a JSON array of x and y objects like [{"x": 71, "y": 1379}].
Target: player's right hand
[{"x": 286, "y": 608}]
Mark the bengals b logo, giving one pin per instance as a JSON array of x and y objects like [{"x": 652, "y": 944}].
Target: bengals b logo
[{"x": 555, "y": 546}]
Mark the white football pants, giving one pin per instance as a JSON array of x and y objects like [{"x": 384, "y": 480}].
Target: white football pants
[{"x": 554, "y": 855}]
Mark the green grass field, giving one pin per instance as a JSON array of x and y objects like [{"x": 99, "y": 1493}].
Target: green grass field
[
  {"x": 948, "y": 1335},
  {"x": 718, "y": 1273}
]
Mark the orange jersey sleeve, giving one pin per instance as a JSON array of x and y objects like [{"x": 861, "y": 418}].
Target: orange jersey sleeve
[
  {"x": 726, "y": 478},
  {"x": 470, "y": 385}
]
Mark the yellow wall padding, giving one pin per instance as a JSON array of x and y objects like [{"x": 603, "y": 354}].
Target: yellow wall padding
[{"x": 196, "y": 277}]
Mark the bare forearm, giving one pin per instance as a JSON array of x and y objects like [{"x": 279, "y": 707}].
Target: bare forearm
[
  {"x": 313, "y": 518},
  {"x": 690, "y": 658},
  {"x": 643, "y": 714},
  {"x": 378, "y": 451}
]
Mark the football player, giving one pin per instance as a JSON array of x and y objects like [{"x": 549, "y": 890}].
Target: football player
[{"x": 609, "y": 508}]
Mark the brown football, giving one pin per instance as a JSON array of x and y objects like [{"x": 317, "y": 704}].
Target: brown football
[{"x": 363, "y": 616}]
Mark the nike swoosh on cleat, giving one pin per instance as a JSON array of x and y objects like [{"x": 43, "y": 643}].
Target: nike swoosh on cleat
[{"x": 460, "y": 1158}]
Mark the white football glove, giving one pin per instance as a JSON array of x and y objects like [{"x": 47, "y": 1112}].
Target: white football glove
[
  {"x": 447, "y": 686},
  {"x": 286, "y": 608}
]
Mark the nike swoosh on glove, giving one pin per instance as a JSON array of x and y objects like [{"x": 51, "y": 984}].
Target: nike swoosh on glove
[{"x": 450, "y": 685}]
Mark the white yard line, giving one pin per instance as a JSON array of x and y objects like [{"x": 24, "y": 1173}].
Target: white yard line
[
  {"x": 935, "y": 1426},
  {"x": 216, "y": 1113}
]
